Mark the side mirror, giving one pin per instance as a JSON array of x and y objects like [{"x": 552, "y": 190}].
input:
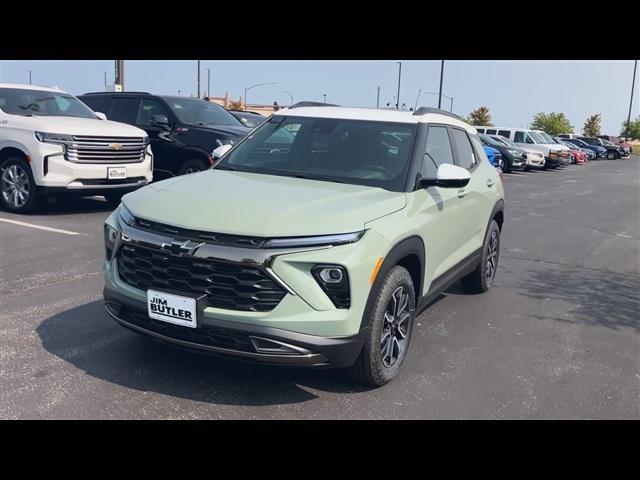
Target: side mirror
[
  {"x": 100, "y": 116},
  {"x": 160, "y": 121},
  {"x": 448, "y": 176},
  {"x": 220, "y": 151}
]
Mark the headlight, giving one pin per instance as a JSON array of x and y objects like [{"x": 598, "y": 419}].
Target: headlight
[
  {"x": 316, "y": 241},
  {"x": 225, "y": 141},
  {"x": 334, "y": 281},
  {"x": 110, "y": 239},
  {"x": 56, "y": 138},
  {"x": 125, "y": 216}
]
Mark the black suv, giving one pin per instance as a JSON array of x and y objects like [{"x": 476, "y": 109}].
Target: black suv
[{"x": 183, "y": 131}]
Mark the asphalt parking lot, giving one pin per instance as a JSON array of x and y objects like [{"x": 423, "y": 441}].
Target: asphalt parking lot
[{"x": 558, "y": 336}]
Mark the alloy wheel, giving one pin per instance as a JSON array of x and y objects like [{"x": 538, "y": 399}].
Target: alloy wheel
[
  {"x": 192, "y": 170},
  {"x": 395, "y": 329},
  {"x": 16, "y": 187},
  {"x": 492, "y": 257}
]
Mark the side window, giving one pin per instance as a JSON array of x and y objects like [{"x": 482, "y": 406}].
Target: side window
[
  {"x": 480, "y": 130},
  {"x": 97, "y": 104},
  {"x": 124, "y": 110},
  {"x": 491, "y": 131},
  {"x": 151, "y": 107},
  {"x": 518, "y": 137},
  {"x": 438, "y": 151},
  {"x": 478, "y": 150},
  {"x": 504, "y": 133},
  {"x": 528, "y": 139},
  {"x": 464, "y": 153}
]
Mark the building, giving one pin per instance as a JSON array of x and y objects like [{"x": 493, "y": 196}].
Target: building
[{"x": 230, "y": 104}]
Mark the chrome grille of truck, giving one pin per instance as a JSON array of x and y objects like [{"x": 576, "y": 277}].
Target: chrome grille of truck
[{"x": 89, "y": 149}]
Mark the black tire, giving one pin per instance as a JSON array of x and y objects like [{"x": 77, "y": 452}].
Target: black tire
[
  {"x": 481, "y": 279},
  {"x": 507, "y": 165},
  {"x": 372, "y": 366},
  {"x": 527, "y": 168},
  {"x": 193, "y": 165},
  {"x": 113, "y": 198},
  {"x": 611, "y": 155},
  {"x": 19, "y": 178}
]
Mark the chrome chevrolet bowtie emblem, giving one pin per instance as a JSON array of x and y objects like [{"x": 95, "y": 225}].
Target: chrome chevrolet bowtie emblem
[
  {"x": 187, "y": 247},
  {"x": 115, "y": 146}
]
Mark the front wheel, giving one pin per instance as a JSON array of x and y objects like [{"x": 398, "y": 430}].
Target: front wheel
[
  {"x": 481, "y": 279},
  {"x": 113, "y": 198},
  {"x": 389, "y": 332},
  {"x": 17, "y": 186},
  {"x": 192, "y": 166},
  {"x": 611, "y": 155}
]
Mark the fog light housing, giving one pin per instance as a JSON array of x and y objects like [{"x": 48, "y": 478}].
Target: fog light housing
[
  {"x": 110, "y": 238},
  {"x": 334, "y": 281}
]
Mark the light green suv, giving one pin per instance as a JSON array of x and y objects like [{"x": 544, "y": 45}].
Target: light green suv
[{"x": 314, "y": 241}]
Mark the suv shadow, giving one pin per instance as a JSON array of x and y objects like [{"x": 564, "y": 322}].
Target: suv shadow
[{"x": 85, "y": 337}]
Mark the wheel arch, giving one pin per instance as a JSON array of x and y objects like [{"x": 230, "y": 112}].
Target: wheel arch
[
  {"x": 11, "y": 150},
  {"x": 408, "y": 253}
]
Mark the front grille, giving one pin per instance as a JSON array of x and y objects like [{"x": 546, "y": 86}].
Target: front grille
[
  {"x": 89, "y": 149},
  {"x": 227, "y": 285},
  {"x": 205, "y": 335},
  {"x": 208, "y": 237}
]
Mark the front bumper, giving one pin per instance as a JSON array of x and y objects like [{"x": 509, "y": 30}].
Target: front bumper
[{"x": 252, "y": 343}]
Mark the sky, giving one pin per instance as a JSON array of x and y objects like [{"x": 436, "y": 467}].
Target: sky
[{"x": 514, "y": 91}]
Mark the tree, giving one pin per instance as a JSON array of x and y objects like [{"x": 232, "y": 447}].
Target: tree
[
  {"x": 235, "y": 106},
  {"x": 481, "y": 117},
  {"x": 634, "y": 129},
  {"x": 553, "y": 123},
  {"x": 592, "y": 126}
]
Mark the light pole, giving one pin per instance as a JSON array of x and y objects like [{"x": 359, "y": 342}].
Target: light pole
[
  {"x": 325, "y": 97},
  {"x": 290, "y": 96},
  {"x": 254, "y": 86},
  {"x": 441, "y": 76},
  {"x": 399, "y": 78},
  {"x": 105, "y": 78},
  {"x": 209, "y": 83},
  {"x": 198, "y": 79},
  {"x": 378, "y": 98},
  {"x": 419, "y": 92},
  {"x": 633, "y": 82},
  {"x": 29, "y": 76}
]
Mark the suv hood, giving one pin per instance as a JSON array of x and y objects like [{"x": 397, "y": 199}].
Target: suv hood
[
  {"x": 82, "y": 126},
  {"x": 230, "y": 130},
  {"x": 261, "y": 205}
]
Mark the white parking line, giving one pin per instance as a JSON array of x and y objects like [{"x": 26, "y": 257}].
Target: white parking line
[{"x": 49, "y": 229}]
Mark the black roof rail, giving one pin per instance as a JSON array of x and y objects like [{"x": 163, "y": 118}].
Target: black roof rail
[
  {"x": 104, "y": 93},
  {"x": 312, "y": 104},
  {"x": 424, "y": 110}
]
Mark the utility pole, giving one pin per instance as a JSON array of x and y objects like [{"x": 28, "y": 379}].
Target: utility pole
[
  {"x": 105, "y": 78},
  {"x": 119, "y": 77},
  {"x": 325, "y": 97},
  {"x": 633, "y": 83},
  {"x": 441, "y": 76},
  {"x": 29, "y": 76},
  {"x": 399, "y": 78},
  {"x": 198, "y": 78},
  {"x": 419, "y": 92},
  {"x": 378, "y": 99},
  {"x": 209, "y": 83}
]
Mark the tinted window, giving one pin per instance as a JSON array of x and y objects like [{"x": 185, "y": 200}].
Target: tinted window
[
  {"x": 151, "y": 107},
  {"x": 491, "y": 131},
  {"x": 504, "y": 133},
  {"x": 124, "y": 110},
  {"x": 438, "y": 151},
  {"x": 97, "y": 103},
  {"x": 478, "y": 150},
  {"x": 340, "y": 150},
  {"x": 22, "y": 101},
  {"x": 480, "y": 130},
  {"x": 200, "y": 112},
  {"x": 518, "y": 137},
  {"x": 464, "y": 152}
]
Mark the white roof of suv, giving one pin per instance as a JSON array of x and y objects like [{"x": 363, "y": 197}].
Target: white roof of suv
[
  {"x": 374, "y": 114},
  {"x": 24, "y": 86}
]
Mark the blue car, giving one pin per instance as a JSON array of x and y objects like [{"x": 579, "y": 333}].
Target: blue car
[{"x": 494, "y": 156}]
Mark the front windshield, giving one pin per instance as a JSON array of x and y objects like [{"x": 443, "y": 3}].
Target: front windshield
[
  {"x": 22, "y": 101},
  {"x": 490, "y": 140},
  {"x": 193, "y": 111},
  {"x": 547, "y": 137},
  {"x": 335, "y": 150},
  {"x": 506, "y": 141},
  {"x": 537, "y": 137}
]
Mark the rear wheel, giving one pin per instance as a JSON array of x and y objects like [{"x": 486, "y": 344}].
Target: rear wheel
[
  {"x": 481, "y": 279},
  {"x": 390, "y": 328},
  {"x": 113, "y": 198},
  {"x": 17, "y": 186}
]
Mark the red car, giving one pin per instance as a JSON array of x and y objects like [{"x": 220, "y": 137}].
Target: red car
[{"x": 578, "y": 156}]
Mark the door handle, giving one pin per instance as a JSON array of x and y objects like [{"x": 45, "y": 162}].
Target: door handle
[
  {"x": 462, "y": 192},
  {"x": 490, "y": 183}
]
